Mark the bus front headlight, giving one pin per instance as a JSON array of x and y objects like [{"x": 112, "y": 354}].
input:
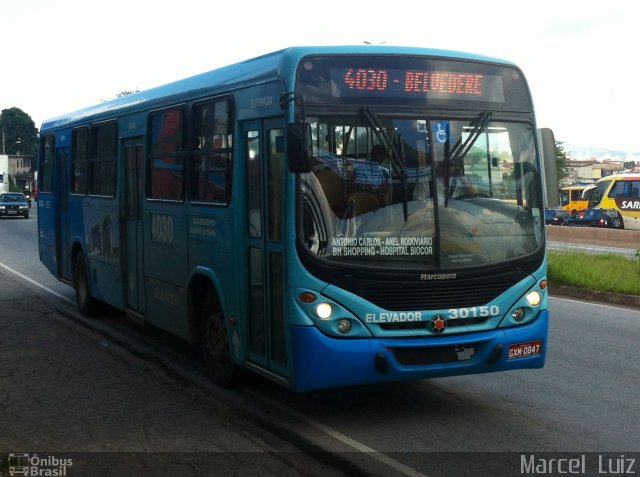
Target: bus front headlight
[
  {"x": 534, "y": 298},
  {"x": 323, "y": 310}
]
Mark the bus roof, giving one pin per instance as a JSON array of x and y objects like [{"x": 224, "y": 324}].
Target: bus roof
[
  {"x": 280, "y": 64},
  {"x": 576, "y": 187},
  {"x": 621, "y": 175}
]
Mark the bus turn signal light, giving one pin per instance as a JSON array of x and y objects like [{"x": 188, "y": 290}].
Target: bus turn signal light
[{"x": 307, "y": 297}]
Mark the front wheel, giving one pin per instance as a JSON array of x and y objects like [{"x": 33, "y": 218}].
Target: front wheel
[
  {"x": 86, "y": 303},
  {"x": 215, "y": 347},
  {"x": 616, "y": 223}
]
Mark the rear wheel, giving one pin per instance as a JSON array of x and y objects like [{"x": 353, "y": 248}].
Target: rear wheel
[
  {"x": 215, "y": 347},
  {"x": 616, "y": 223},
  {"x": 86, "y": 303}
]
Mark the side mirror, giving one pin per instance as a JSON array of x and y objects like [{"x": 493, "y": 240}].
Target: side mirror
[
  {"x": 300, "y": 147},
  {"x": 548, "y": 150}
]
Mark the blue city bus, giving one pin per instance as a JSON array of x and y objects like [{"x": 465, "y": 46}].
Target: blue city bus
[{"x": 244, "y": 211}]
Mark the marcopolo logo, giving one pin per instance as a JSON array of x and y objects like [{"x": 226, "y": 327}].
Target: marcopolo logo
[{"x": 35, "y": 465}]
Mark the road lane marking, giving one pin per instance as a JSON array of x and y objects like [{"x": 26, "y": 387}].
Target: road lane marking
[
  {"x": 40, "y": 285},
  {"x": 337, "y": 435},
  {"x": 586, "y": 302}
]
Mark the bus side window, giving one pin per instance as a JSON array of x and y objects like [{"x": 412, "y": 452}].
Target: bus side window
[
  {"x": 165, "y": 162},
  {"x": 80, "y": 160},
  {"x": 210, "y": 161},
  {"x": 102, "y": 159},
  {"x": 254, "y": 181},
  {"x": 621, "y": 188},
  {"x": 47, "y": 147},
  {"x": 276, "y": 165}
]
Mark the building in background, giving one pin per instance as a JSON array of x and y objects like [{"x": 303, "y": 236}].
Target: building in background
[
  {"x": 589, "y": 171},
  {"x": 16, "y": 173}
]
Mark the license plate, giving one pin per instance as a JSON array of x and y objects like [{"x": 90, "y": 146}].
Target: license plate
[
  {"x": 13, "y": 212},
  {"x": 522, "y": 350}
]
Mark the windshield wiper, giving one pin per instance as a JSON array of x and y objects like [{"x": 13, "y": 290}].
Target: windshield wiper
[
  {"x": 397, "y": 156},
  {"x": 454, "y": 155},
  {"x": 460, "y": 150}
]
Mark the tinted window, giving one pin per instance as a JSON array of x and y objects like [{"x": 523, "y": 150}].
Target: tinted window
[
  {"x": 165, "y": 164},
  {"x": 79, "y": 162},
  {"x": 625, "y": 188},
  {"x": 210, "y": 162},
  {"x": 103, "y": 159},
  {"x": 47, "y": 145}
]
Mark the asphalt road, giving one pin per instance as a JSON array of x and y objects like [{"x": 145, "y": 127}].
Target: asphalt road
[{"x": 584, "y": 401}]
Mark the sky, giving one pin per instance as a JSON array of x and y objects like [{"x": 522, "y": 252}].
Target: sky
[{"x": 580, "y": 57}]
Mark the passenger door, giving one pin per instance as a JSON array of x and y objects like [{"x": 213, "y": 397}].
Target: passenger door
[
  {"x": 62, "y": 214},
  {"x": 134, "y": 193},
  {"x": 264, "y": 179}
]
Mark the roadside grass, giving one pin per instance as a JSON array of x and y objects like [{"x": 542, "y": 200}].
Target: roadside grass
[{"x": 607, "y": 272}]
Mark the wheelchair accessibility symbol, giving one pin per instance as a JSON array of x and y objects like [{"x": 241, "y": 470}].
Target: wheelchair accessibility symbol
[{"x": 442, "y": 132}]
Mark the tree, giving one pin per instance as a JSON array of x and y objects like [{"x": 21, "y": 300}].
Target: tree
[
  {"x": 561, "y": 162},
  {"x": 19, "y": 132}
]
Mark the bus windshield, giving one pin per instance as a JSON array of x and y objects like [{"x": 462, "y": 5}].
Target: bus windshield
[
  {"x": 431, "y": 193},
  {"x": 596, "y": 194},
  {"x": 572, "y": 198}
]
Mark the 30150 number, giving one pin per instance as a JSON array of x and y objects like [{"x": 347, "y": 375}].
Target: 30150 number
[{"x": 474, "y": 312}]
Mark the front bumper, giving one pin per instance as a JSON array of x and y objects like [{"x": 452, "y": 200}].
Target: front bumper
[{"x": 320, "y": 361}]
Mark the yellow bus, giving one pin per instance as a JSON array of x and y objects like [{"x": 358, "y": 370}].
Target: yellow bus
[
  {"x": 571, "y": 198},
  {"x": 621, "y": 192}
]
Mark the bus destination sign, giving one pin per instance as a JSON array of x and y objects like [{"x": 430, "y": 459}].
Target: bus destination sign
[{"x": 398, "y": 83}]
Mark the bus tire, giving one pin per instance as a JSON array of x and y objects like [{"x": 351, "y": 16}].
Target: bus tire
[
  {"x": 215, "y": 347},
  {"x": 86, "y": 303}
]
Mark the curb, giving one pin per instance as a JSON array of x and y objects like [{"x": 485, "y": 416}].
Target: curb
[{"x": 586, "y": 294}]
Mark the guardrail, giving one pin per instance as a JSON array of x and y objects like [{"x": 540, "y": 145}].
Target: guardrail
[{"x": 594, "y": 236}]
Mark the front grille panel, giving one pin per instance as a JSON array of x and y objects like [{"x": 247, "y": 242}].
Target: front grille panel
[
  {"x": 453, "y": 295},
  {"x": 425, "y": 325}
]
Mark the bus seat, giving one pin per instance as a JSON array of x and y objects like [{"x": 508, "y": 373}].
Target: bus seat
[
  {"x": 363, "y": 202},
  {"x": 384, "y": 194},
  {"x": 333, "y": 188},
  {"x": 422, "y": 191}
]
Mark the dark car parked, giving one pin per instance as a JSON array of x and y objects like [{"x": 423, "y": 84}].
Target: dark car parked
[
  {"x": 555, "y": 216},
  {"x": 609, "y": 218},
  {"x": 14, "y": 204}
]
